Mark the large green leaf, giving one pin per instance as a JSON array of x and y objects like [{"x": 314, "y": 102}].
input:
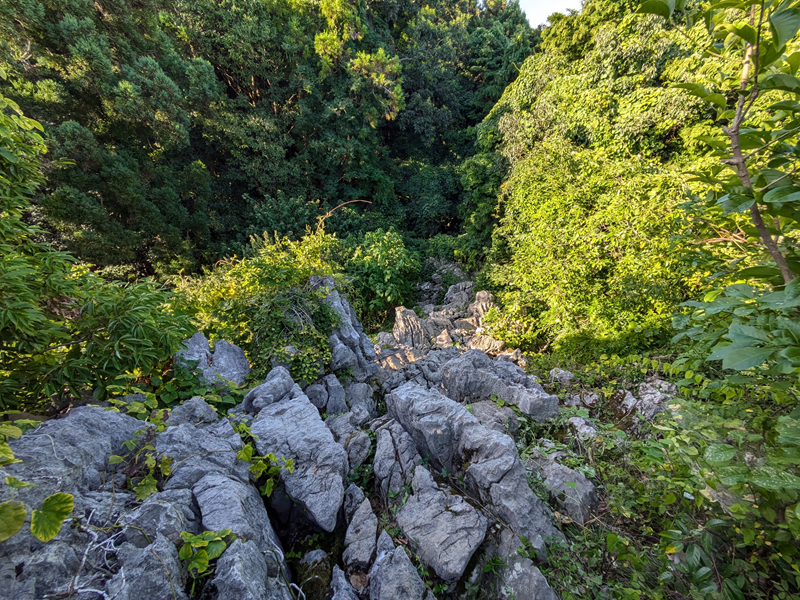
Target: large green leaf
[
  {"x": 12, "y": 518},
  {"x": 740, "y": 358},
  {"x": 745, "y": 333},
  {"x": 46, "y": 523},
  {"x": 663, "y": 8},
  {"x": 719, "y": 453},
  {"x": 783, "y": 194},
  {"x": 780, "y": 81},
  {"x": 774, "y": 480},
  {"x": 784, "y": 25}
]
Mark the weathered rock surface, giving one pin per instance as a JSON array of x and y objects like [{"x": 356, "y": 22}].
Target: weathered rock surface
[
  {"x": 226, "y": 363},
  {"x": 359, "y": 399},
  {"x": 392, "y": 576},
  {"x": 443, "y": 528},
  {"x": 242, "y": 574},
  {"x": 573, "y": 493},
  {"x": 408, "y": 329},
  {"x": 360, "y": 539},
  {"x": 454, "y": 439},
  {"x": 474, "y": 377},
  {"x": 226, "y": 503},
  {"x": 583, "y": 428},
  {"x": 168, "y": 513},
  {"x": 293, "y": 429},
  {"x": 342, "y": 590},
  {"x": 151, "y": 573},
  {"x": 336, "y": 404},
  {"x": 495, "y": 417},
  {"x": 396, "y": 457},
  {"x": 276, "y": 386},
  {"x": 524, "y": 581},
  {"x": 356, "y": 442}
]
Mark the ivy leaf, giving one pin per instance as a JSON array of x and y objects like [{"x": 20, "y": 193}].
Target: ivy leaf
[
  {"x": 199, "y": 561},
  {"x": 215, "y": 549},
  {"x": 10, "y": 431},
  {"x": 13, "y": 482},
  {"x": 12, "y": 518},
  {"x": 719, "y": 453},
  {"x": 147, "y": 487},
  {"x": 186, "y": 551},
  {"x": 46, "y": 523}
]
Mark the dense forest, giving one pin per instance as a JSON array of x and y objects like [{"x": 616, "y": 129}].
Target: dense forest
[{"x": 623, "y": 180}]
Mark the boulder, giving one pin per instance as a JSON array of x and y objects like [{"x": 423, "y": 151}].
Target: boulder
[
  {"x": 473, "y": 376},
  {"x": 582, "y": 428},
  {"x": 229, "y": 504},
  {"x": 654, "y": 396},
  {"x": 561, "y": 376},
  {"x": 408, "y": 330},
  {"x": 573, "y": 493},
  {"x": 151, "y": 573},
  {"x": 392, "y": 576},
  {"x": 201, "y": 450},
  {"x": 342, "y": 590},
  {"x": 359, "y": 541},
  {"x": 318, "y": 395},
  {"x": 227, "y": 363},
  {"x": 353, "y": 497},
  {"x": 194, "y": 411},
  {"x": 396, "y": 457},
  {"x": 443, "y": 528},
  {"x": 445, "y": 431},
  {"x": 336, "y": 396},
  {"x": 276, "y": 386},
  {"x": 360, "y": 400},
  {"x": 495, "y": 417},
  {"x": 241, "y": 573},
  {"x": 522, "y": 580},
  {"x": 354, "y": 441},
  {"x": 293, "y": 429},
  {"x": 486, "y": 343},
  {"x": 168, "y": 513},
  {"x": 342, "y": 357},
  {"x": 483, "y": 302}
]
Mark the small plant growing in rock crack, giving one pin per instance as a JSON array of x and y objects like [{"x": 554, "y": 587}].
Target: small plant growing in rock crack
[
  {"x": 47, "y": 520},
  {"x": 268, "y": 466},
  {"x": 494, "y": 565},
  {"x": 198, "y": 551},
  {"x": 142, "y": 457}
]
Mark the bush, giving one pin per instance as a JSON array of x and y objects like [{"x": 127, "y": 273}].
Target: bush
[{"x": 63, "y": 330}]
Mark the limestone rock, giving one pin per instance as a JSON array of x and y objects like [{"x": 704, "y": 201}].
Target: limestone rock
[
  {"x": 168, "y": 513},
  {"x": 151, "y": 573},
  {"x": 278, "y": 384},
  {"x": 454, "y": 439},
  {"x": 360, "y": 400},
  {"x": 561, "y": 376},
  {"x": 571, "y": 491},
  {"x": 496, "y": 418},
  {"x": 483, "y": 302},
  {"x": 396, "y": 457},
  {"x": 336, "y": 396},
  {"x": 583, "y": 428},
  {"x": 195, "y": 411},
  {"x": 359, "y": 541},
  {"x": 474, "y": 377},
  {"x": 342, "y": 590},
  {"x": 444, "y": 529},
  {"x": 524, "y": 581},
  {"x": 318, "y": 395},
  {"x": 408, "y": 330},
  {"x": 229, "y": 504},
  {"x": 242, "y": 574},
  {"x": 393, "y": 577},
  {"x": 294, "y": 429},
  {"x": 227, "y": 363},
  {"x": 486, "y": 343}
]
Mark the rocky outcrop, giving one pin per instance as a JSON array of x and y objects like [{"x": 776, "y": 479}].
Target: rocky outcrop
[
  {"x": 226, "y": 363},
  {"x": 393, "y": 576},
  {"x": 396, "y": 458},
  {"x": 474, "y": 377},
  {"x": 494, "y": 417},
  {"x": 573, "y": 493},
  {"x": 445, "y": 530},
  {"x": 445, "y": 431},
  {"x": 151, "y": 573},
  {"x": 293, "y": 429},
  {"x": 360, "y": 539},
  {"x": 242, "y": 573}
]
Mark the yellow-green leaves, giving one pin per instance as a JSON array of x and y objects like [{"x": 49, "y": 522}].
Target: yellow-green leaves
[
  {"x": 198, "y": 550},
  {"x": 12, "y": 517},
  {"x": 46, "y": 522},
  {"x": 784, "y": 24}
]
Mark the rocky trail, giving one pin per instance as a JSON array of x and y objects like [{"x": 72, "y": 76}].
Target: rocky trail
[{"x": 405, "y": 481}]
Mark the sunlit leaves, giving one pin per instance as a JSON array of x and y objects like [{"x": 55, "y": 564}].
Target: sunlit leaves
[{"x": 46, "y": 521}]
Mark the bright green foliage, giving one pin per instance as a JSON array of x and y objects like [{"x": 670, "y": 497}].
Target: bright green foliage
[
  {"x": 583, "y": 249},
  {"x": 46, "y": 522},
  {"x": 384, "y": 272},
  {"x": 12, "y": 518},
  {"x": 62, "y": 328},
  {"x": 198, "y": 550}
]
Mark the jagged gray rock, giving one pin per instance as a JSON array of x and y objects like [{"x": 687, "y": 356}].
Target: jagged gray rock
[
  {"x": 654, "y": 397},
  {"x": 495, "y": 417},
  {"x": 359, "y": 399},
  {"x": 241, "y": 573},
  {"x": 408, "y": 329},
  {"x": 200, "y": 450},
  {"x": 360, "y": 539},
  {"x": 168, "y": 513},
  {"x": 392, "y": 576},
  {"x": 396, "y": 457},
  {"x": 229, "y": 504},
  {"x": 318, "y": 395},
  {"x": 293, "y": 429},
  {"x": 194, "y": 411},
  {"x": 342, "y": 590},
  {"x": 443, "y": 528},
  {"x": 561, "y": 376},
  {"x": 484, "y": 301},
  {"x": 227, "y": 363},
  {"x": 474, "y": 376},
  {"x": 583, "y": 428},
  {"x": 522, "y": 580},
  {"x": 353, "y": 497},
  {"x": 336, "y": 396},
  {"x": 355, "y": 442},
  {"x": 570, "y": 490},
  {"x": 486, "y": 344},
  {"x": 454, "y": 439},
  {"x": 151, "y": 573},
  {"x": 276, "y": 386}
]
